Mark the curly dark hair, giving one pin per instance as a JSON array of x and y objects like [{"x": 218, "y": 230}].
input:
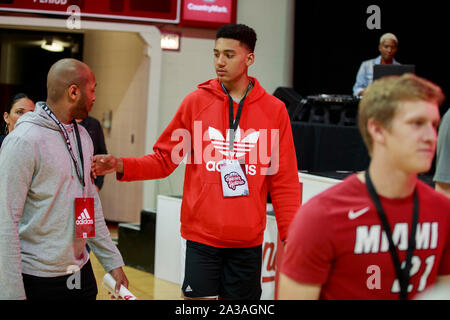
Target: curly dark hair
[{"x": 240, "y": 32}]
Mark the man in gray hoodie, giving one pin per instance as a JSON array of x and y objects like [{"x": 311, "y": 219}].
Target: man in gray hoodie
[{"x": 49, "y": 207}]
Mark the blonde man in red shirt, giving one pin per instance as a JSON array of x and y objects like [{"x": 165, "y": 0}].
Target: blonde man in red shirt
[{"x": 379, "y": 234}]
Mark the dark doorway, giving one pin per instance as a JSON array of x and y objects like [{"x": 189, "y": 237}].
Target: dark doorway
[{"x": 24, "y": 64}]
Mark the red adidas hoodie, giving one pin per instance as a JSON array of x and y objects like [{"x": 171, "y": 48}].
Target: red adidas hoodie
[{"x": 198, "y": 132}]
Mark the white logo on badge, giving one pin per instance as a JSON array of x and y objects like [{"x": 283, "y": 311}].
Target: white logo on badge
[
  {"x": 233, "y": 179},
  {"x": 356, "y": 214},
  {"x": 84, "y": 218}
]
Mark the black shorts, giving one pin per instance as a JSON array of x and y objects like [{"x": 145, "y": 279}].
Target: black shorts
[
  {"x": 229, "y": 273},
  {"x": 57, "y": 288}
]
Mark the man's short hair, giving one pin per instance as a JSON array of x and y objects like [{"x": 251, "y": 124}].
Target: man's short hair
[
  {"x": 64, "y": 73},
  {"x": 382, "y": 98},
  {"x": 240, "y": 32},
  {"x": 388, "y": 36}
]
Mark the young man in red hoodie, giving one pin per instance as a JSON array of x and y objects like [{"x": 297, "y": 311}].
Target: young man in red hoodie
[{"x": 228, "y": 172}]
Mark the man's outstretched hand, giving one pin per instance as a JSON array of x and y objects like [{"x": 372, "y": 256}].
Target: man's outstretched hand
[{"x": 104, "y": 164}]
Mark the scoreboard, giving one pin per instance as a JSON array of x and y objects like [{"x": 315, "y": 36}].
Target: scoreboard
[
  {"x": 196, "y": 13},
  {"x": 166, "y": 11}
]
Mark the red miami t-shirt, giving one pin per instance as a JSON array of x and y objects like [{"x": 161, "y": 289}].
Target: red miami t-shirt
[{"x": 337, "y": 240}]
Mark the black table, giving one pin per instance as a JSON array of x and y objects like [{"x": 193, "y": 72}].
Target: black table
[
  {"x": 333, "y": 151},
  {"x": 328, "y": 147},
  {"x": 341, "y": 175}
]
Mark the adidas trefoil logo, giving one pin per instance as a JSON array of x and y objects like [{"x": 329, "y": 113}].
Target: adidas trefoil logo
[{"x": 240, "y": 147}]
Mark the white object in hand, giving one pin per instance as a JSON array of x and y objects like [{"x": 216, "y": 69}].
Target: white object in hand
[{"x": 110, "y": 284}]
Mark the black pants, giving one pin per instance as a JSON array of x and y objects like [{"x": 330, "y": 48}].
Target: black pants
[
  {"x": 230, "y": 273},
  {"x": 77, "y": 286}
]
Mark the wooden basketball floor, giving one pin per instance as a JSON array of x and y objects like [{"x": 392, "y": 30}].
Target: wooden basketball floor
[{"x": 142, "y": 284}]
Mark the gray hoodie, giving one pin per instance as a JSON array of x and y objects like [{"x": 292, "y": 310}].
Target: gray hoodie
[{"x": 38, "y": 185}]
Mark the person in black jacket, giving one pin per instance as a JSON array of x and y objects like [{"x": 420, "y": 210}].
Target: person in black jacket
[{"x": 95, "y": 130}]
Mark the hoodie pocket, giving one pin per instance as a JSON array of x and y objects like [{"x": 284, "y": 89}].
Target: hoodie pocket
[
  {"x": 230, "y": 219},
  {"x": 201, "y": 198}
]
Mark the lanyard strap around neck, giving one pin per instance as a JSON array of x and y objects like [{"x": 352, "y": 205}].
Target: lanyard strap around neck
[
  {"x": 235, "y": 122},
  {"x": 402, "y": 274},
  {"x": 69, "y": 145}
]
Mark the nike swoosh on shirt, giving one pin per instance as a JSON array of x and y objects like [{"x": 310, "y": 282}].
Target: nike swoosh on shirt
[{"x": 355, "y": 214}]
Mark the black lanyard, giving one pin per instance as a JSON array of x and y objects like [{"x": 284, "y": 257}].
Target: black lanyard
[
  {"x": 402, "y": 274},
  {"x": 69, "y": 146},
  {"x": 235, "y": 122}
]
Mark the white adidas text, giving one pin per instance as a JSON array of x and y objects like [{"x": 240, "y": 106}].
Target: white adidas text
[
  {"x": 84, "y": 218},
  {"x": 260, "y": 148}
]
